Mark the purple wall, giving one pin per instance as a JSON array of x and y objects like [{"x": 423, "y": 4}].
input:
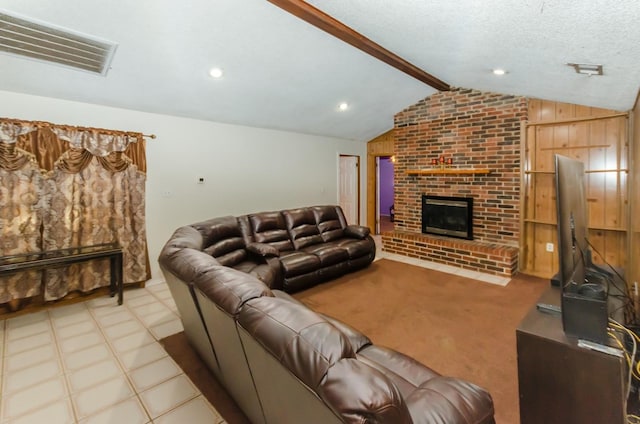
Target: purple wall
[{"x": 386, "y": 185}]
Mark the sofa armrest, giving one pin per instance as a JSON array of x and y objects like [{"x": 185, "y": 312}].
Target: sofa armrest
[
  {"x": 357, "y": 231},
  {"x": 263, "y": 249}
]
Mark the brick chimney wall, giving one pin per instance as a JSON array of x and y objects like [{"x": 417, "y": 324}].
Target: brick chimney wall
[{"x": 476, "y": 129}]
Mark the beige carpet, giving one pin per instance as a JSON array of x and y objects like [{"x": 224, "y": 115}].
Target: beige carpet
[{"x": 457, "y": 326}]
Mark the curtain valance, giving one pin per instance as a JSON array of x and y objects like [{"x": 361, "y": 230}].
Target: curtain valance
[
  {"x": 70, "y": 148},
  {"x": 99, "y": 141}
]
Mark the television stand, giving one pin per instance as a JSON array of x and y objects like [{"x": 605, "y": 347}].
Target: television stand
[{"x": 561, "y": 382}]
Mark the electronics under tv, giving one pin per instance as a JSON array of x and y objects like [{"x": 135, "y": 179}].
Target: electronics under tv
[{"x": 584, "y": 285}]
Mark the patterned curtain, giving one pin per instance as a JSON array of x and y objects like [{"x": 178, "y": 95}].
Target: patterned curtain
[
  {"x": 20, "y": 211},
  {"x": 88, "y": 187}
]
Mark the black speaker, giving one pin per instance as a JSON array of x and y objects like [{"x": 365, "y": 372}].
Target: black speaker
[{"x": 585, "y": 317}]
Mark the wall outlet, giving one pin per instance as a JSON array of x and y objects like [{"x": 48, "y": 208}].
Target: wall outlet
[
  {"x": 167, "y": 193},
  {"x": 201, "y": 180},
  {"x": 549, "y": 247}
]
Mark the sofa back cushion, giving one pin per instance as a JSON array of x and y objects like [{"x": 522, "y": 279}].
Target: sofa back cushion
[
  {"x": 302, "y": 227},
  {"x": 270, "y": 228},
  {"x": 330, "y": 221},
  {"x": 302, "y": 340},
  {"x": 322, "y": 357},
  {"x": 186, "y": 263},
  {"x": 223, "y": 240},
  {"x": 229, "y": 288},
  {"x": 183, "y": 257},
  {"x": 359, "y": 393}
]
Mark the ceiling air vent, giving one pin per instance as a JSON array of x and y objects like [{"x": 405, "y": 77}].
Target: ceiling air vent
[{"x": 26, "y": 37}]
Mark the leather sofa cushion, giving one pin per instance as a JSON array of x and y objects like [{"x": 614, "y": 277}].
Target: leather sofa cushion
[
  {"x": 302, "y": 227},
  {"x": 223, "y": 239},
  {"x": 330, "y": 226},
  {"x": 356, "y": 338},
  {"x": 231, "y": 258},
  {"x": 262, "y": 272},
  {"x": 229, "y": 288},
  {"x": 303, "y": 341},
  {"x": 447, "y": 399},
  {"x": 216, "y": 229},
  {"x": 355, "y": 248},
  {"x": 357, "y": 231},
  {"x": 407, "y": 373},
  {"x": 263, "y": 249},
  {"x": 361, "y": 394},
  {"x": 328, "y": 255},
  {"x": 184, "y": 237},
  {"x": 270, "y": 228},
  {"x": 185, "y": 262},
  {"x": 297, "y": 263},
  {"x": 322, "y": 357},
  {"x": 430, "y": 397}
]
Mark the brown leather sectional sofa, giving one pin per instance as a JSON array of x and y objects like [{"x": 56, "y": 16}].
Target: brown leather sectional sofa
[
  {"x": 282, "y": 362},
  {"x": 291, "y": 249}
]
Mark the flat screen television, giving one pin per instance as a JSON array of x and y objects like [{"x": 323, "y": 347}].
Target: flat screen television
[
  {"x": 584, "y": 300},
  {"x": 571, "y": 205}
]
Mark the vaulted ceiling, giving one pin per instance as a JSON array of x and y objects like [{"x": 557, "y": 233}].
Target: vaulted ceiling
[{"x": 283, "y": 73}]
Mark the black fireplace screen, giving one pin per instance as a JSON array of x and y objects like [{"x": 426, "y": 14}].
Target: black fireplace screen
[{"x": 447, "y": 216}]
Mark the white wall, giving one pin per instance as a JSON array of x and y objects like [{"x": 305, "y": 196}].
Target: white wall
[{"x": 245, "y": 169}]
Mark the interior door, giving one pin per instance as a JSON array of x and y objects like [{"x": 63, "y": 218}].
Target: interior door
[{"x": 349, "y": 187}]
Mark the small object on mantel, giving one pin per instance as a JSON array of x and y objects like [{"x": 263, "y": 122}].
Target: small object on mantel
[{"x": 449, "y": 171}]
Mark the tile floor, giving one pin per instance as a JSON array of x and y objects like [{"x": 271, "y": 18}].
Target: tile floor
[{"x": 96, "y": 362}]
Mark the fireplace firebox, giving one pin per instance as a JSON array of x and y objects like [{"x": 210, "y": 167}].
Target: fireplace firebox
[{"x": 447, "y": 216}]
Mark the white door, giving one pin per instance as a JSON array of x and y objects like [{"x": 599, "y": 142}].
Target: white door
[{"x": 348, "y": 188}]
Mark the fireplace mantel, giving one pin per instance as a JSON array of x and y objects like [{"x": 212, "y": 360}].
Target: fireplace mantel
[{"x": 448, "y": 171}]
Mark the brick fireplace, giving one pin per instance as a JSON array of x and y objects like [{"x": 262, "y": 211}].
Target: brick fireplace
[{"x": 477, "y": 130}]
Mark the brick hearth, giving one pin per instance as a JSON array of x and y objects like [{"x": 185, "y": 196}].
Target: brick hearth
[
  {"x": 491, "y": 258},
  {"x": 477, "y": 130}
]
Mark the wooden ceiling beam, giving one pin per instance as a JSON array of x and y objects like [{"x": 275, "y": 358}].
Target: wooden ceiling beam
[{"x": 321, "y": 20}]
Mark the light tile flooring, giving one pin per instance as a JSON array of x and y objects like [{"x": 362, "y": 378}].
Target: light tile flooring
[{"x": 96, "y": 362}]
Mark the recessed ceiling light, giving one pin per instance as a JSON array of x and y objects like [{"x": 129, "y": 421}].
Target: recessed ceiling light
[
  {"x": 499, "y": 71},
  {"x": 343, "y": 106},
  {"x": 216, "y": 73}
]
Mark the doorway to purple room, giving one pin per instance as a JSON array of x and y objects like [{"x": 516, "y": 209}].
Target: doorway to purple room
[{"x": 385, "y": 195}]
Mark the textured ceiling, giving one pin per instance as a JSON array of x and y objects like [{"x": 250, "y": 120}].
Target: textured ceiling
[{"x": 283, "y": 73}]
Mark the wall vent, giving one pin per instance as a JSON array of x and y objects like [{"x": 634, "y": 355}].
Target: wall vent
[{"x": 23, "y": 36}]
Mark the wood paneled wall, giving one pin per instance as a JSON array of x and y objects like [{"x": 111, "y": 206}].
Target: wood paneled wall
[
  {"x": 379, "y": 146},
  {"x": 633, "y": 270},
  {"x": 599, "y": 138}
]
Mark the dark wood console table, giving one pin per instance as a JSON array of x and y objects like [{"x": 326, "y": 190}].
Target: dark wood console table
[
  {"x": 57, "y": 258},
  {"x": 562, "y": 383}
]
